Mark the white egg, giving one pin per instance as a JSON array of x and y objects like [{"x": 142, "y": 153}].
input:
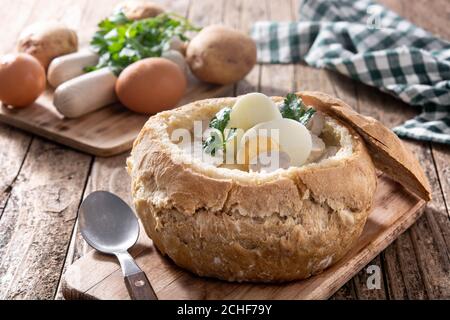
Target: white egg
[
  {"x": 291, "y": 136},
  {"x": 251, "y": 109}
]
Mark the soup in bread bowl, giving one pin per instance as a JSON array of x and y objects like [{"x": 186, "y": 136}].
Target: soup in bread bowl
[{"x": 209, "y": 202}]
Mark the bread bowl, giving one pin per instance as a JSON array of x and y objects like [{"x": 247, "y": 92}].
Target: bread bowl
[{"x": 251, "y": 226}]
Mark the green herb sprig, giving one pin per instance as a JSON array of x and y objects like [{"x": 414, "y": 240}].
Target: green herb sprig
[
  {"x": 294, "y": 108},
  {"x": 218, "y": 138},
  {"x": 120, "y": 41}
]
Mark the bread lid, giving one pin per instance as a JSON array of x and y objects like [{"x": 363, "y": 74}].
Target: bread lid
[{"x": 388, "y": 152}]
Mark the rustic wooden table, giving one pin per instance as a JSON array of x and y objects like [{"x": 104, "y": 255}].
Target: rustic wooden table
[{"x": 43, "y": 183}]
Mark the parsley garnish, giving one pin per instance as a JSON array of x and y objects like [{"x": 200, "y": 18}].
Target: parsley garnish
[
  {"x": 219, "y": 122},
  {"x": 294, "y": 108},
  {"x": 120, "y": 42},
  {"x": 213, "y": 143}
]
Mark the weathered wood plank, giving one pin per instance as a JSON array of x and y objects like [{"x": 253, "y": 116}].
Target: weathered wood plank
[
  {"x": 396, "y": 287},
  {"x": 14, "y": 146},
  {"x": 405, "y": 280},
  {"x": 233, "y": 12},
  {"x": 241, "y": 14},
  {"x": 432, "y": 15},
  {"x": 346, "y": 292},
  {"x": 362, "y": 290},
  {"x": 39, "y": 215},
  {"x": 14, "y": 143},
  {"x": 420, "y": 13},
  {"x": 432, "y": 257},
  {"x": 38, "y": 219},
  {"x": 277, "y": 80},
  {"x": 207, "y": 12},
  {"x": 441, "y": 156},
  {"x": 430, "y": 232},
  {"x": 393, "y": 112}
]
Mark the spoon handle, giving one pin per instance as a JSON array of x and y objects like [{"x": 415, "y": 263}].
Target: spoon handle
[
  {"x": 136, "y": 281},
  {"x": 139, "y": 287}
]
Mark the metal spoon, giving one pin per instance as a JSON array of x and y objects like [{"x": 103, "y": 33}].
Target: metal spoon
[{"x": 109, "y": 225}]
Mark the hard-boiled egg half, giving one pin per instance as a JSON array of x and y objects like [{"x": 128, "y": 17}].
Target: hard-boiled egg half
[
  {"x": 255, "y": 144},
  {"x": 287, "y": 135},
  {"x": 251, "y": 109}
]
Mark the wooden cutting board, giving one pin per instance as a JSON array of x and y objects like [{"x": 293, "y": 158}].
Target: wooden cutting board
[
  {"x": 98, "y": 276},
  {"x": 105, "y": 132}
]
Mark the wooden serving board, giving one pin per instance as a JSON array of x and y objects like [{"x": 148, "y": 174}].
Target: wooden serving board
[
  {"x": 98, "y": 276},
  {"x": 105, "y": 132}
]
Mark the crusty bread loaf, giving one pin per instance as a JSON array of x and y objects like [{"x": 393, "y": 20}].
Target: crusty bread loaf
[
  {"x": 241, "y": 226},
  {"x": 388, "y": 152}
]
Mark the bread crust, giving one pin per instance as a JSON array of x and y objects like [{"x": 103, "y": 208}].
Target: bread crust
[
  {"x": 388, "y": 152},
  {"x": 247, "y": 227}
]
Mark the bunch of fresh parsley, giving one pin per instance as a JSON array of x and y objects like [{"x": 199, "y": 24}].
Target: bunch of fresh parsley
[
  {"x": 293, "y": 107},
  {"x": 120, "y": 41}
]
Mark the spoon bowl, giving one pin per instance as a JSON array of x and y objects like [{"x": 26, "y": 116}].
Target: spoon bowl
[{"x": 107, "y": 223}]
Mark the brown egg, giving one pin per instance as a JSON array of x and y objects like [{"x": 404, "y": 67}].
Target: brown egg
[
  {"x": 151, "y": 85},
  {"x": 22, "y": 79}
]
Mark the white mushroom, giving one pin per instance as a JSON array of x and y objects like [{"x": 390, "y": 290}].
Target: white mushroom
[
  {"x": 316, "y": 123},
  {"x": 269, "y": 162},
  {"x": 318, "y": 148}
]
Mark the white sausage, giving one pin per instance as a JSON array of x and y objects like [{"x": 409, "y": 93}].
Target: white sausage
[
  {"x": 85, "y": 93},
  {"x": 69, "y": 66}
]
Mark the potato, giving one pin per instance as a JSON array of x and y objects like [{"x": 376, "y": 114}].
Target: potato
[
  {"x": 221, "y": 55},
  {"x": 136, "y": 10},
  {"x": 47, "y": 40}
]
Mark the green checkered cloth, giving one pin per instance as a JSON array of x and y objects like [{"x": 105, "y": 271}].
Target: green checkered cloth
[{"x": 369, "y": 43}]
